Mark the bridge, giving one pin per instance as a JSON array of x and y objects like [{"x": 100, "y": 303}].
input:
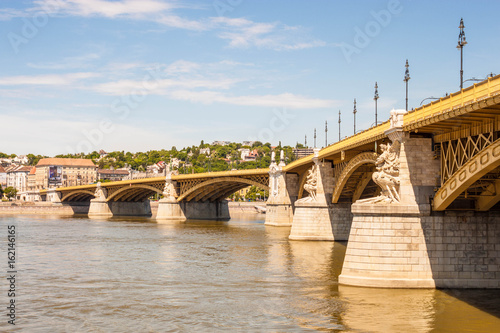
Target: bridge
[{"x": 417, "y": 197}]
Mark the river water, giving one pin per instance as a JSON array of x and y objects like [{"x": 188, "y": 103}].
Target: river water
[{"x": 134, "y": 275}]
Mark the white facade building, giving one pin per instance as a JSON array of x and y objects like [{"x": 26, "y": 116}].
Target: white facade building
[{"x": 17, "y": 177}]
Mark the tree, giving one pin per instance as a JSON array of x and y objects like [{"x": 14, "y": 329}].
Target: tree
[
  {"x": 255, "y": 193},
  {"x": 10, "y": 192}
]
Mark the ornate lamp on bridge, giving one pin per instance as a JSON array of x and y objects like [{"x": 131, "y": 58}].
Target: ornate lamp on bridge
[
  {"x": 326, "y": 133},
  {"x": 461, "y": 43},
  {"x": 406, "y": 79},
  {"x": 339, "y": 125},
  {"x": 354, "y": 113},
  {"x": 376, "y": 98}
]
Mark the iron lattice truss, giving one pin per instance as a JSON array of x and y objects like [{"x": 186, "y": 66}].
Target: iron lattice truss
[
  {"x": 455, "y": 153},
  {"x": 218, "y": 188}
]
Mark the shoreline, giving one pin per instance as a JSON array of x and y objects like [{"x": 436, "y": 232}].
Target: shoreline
[{"x": 70, "y": 209}]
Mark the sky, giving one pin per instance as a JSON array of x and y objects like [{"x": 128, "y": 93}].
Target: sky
[{"x": 137, "y": 75}]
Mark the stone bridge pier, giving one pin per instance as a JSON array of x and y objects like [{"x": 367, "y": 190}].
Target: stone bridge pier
[
  {"x": 316, "y": 218},
  {"x": 172, "y": 210},
  {"x": 283, "y": 192},
  {"x": 100, "y": 206},
  {"x": 397, "y": 241}
]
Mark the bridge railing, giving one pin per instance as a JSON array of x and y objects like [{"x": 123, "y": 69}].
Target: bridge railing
[{"x": 472, "y": 94}]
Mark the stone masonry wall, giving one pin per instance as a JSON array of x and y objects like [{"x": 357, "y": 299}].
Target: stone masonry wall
[
  {"x": 419, "y": 171},
  {"x": 464, "y": 249},
  {"x": 445, "y": 250}
]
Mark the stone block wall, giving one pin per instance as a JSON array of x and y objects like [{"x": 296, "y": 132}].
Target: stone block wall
[
  {"x": 419, "y": 171},
  {"x": 292, "y": 186},
  {"x": 387, "y": 251},
  {"x": 279, "y": 215},
  {"x": 331, "y": 222},
  {"x": 403, "y": 248},
  {"x": 464, "y": 249}
]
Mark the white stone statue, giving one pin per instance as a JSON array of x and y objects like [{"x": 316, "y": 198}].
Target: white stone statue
[
  {"x": 311, "y": 185},
  {"x": 100, "y": 192},
  {"x": 387, "y": 175},
  {"x": 169, "y": 190}
]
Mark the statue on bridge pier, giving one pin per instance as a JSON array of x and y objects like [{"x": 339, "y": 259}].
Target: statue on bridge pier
[
  {"x": 100, "y": 192},
  {"x": 169, "y": 191},
  {"x": 311, "y": 185},
  {"x": 387, "y": 174}
]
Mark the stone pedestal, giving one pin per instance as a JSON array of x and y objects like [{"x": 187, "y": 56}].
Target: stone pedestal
[
  {"x": 99, "y": 208},
  {"x": 102, "y": 208},
  {"x": 387, "y": 248},
  {"x": 54, "y": 196},
  {"x": 315, "y": 217},
  {"x": 313, "y": 221},
  {"x": 279, "y": 208},
  {"x": 170, "y": 209},
  {"x": 407, "y": 246},
  {"x": 279, "y": 215}
]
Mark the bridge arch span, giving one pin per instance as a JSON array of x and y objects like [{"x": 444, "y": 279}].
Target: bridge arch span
[
  {"x": 356, "y": 162},
  {"x": 79, "y": 195},
  {"x": 483, "y": 162},
  {"x": 218, "y": 188},
  {"x": 135, "y": 192}
]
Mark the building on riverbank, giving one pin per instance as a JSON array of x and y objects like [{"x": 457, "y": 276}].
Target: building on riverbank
[
  {"x": 112, "y": 175},
  {"x": 17, "y": 177},
  {"x": 3, "y": 177},
  {"x": 57, "y": 172}
]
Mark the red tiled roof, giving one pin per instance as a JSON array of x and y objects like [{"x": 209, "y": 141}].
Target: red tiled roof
[
  {"x": 33, "y": 170},
  {"x": 112, "y": 172},
  {"x": 74, "y": 162},
  {"x": 18, "y": 168},
  {"x": 2, "y": 170}
]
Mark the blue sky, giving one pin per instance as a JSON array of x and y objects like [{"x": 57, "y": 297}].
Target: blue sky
[{"x": 136, "y": 75}]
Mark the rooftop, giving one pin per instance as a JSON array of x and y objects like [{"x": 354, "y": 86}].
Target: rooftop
[
  {"x": 113, "y": 172},
  {"x": 74, "y": 162}
]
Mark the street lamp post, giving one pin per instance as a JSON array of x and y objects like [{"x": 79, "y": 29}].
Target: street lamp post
[
  {"x": 326, "y": 133},
  {"x": 339, "y": 125},
  {"x": 406, "y": 79},
  {"x": 376, "y": 98},
  {"x": 354, "y": 113},
  {"x": 314, "y": 138},
  {"x": 461, "y": 43}
]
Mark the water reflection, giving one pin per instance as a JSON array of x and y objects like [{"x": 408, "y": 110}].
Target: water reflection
[
  {"x": 318, "y": 265},
  {"x": 409, "y": 310},
  {"x": 133, "y": 274},
  {"x": 388, "y": 310}
]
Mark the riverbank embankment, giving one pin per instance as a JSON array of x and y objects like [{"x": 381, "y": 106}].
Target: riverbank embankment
[{"x": 68, "y": 209}]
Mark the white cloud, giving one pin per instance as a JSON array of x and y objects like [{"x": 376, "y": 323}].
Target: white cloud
[
  {"x": 104, "y": 8},
  {"x": 243, "y": 33},
  {"x": 50, "y": 80},
  {"x": 281, "y": 100},
  {"x": 68, "y": 62},
  {"x": 158, "y": 87},
  {"x": 72, "y": 136},
  {"x": 239, "y": 32}
]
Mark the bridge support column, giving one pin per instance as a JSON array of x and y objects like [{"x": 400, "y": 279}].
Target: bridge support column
[
  {"x": 279, "y": 207},
  {"x": 169, "y": 210},
  {"x": 99, "y": 207},
  {"x": 54, "y": 196},
  {"x": 208, "y": 210},
  {"x": 168, "y": 207},
  {"x": 316, "y": 218},
  {"x": 387, "y": 245}
]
